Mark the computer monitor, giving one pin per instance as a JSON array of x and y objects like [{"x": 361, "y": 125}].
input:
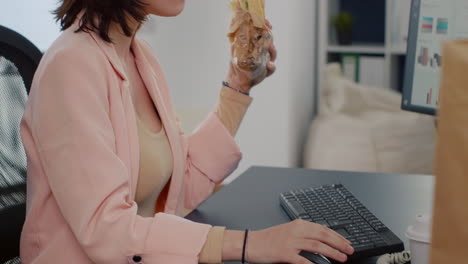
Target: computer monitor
[{"x": 432, "y": 22}]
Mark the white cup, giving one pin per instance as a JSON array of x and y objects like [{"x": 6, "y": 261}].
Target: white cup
[{"x": 419, "y": 235}]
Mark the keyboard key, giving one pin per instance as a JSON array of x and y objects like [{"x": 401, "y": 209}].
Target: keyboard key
[
  {"x": 375, "y": 223},
  {"x": 343, "y": 233},
  {"x": 354, "y": 231},
  {"x": 305, "y": 218},
  {"x": 297, "y": 208},
  {"x": 361, "y": 236},
  {"x": 380, "y": 243},
  {"x": 368, "y": 230},
  {"x": 364, "y": 226},
  {"x": 329, "y": 217},
  {"x": 362, "y": 211},
  {"x": 362, "y": 247},
  {"x": 324, "y": 223},
  {"x": 365, "y": 241},
  {"x": 381, "y": 228},
  {"x": 377, "y": 239},
  {"x": 338, "y": 223}
]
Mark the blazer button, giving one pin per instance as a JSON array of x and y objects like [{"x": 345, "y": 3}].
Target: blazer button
[{"x": 136, "y": 259}]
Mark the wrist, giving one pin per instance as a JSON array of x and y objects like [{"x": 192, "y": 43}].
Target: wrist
[
  {"x": 237, "y": 85},
  {"x": 228, "y": 85},
  {"x": 252, "y": 249},
  {"x": 244, "y": 253},
  {"x": 232, "y": 245}
]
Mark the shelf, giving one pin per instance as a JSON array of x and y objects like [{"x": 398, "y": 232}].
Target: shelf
[
  {"x": 366, "y": 49},
  {"x": 398, "y": 50},
  {"x": 365, "y": 42}
]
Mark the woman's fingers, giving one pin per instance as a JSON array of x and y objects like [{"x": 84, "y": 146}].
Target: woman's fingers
[
  {"x": 336, "y": 234},
  {"x": 268, "y": 24},
  {"x": 271, "y": 68},
  {"x": 332, "y": 232},
  {"x": 273, "y": 52},
  {"x": 329, "y": 237},
  {"x": 323, "y": 249}
]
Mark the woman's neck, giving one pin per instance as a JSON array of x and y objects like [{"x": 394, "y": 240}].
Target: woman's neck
[{"x": 122, "y": 42}]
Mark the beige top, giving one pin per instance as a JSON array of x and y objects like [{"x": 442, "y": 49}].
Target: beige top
[{"x": 156, "y": 165}]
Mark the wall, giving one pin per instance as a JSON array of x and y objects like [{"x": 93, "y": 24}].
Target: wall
[
  {"x": 32, "y": 19},
  {"x": 302, "y": 76},
  {"x": 194, "y": 52}
]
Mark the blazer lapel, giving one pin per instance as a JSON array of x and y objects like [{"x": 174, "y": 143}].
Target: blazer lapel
[
  {"x": 133, "y": 155},
  {"x": 153, "y": 86},
  {"x": 111, "y": 54}
]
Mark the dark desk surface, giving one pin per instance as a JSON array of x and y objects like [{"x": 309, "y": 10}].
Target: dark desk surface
[{"x": 252, "y": 200}]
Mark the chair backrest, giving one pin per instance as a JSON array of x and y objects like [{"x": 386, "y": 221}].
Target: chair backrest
[{"x": 19, "y": 59}]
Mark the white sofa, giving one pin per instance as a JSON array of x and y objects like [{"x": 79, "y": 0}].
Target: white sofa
[{"x": 363, "y": 129}]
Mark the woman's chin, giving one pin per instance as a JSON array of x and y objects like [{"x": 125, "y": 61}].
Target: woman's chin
[
  {"x": 176, "y": 13},
  {"x": 170, "y": 12}
]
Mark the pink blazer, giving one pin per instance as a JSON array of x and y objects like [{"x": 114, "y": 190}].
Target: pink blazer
[{"x": 80, "y": 135}]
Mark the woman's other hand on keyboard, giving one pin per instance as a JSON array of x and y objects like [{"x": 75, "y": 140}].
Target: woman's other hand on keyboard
[{"x": 283, "y": 243}]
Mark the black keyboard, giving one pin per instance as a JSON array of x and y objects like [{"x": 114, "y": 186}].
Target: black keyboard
[{"x": 335, "y": 207}]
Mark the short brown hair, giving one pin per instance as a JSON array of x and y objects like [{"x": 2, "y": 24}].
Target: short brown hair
[{"x": 99, "y": 14}]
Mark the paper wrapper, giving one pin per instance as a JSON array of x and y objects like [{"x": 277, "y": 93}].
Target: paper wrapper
[
  {"x": 250, "y": 37},
  {"x": 450, "y": 223}
]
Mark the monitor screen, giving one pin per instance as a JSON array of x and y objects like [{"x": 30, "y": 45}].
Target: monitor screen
[{"x": 432, "y": 22}]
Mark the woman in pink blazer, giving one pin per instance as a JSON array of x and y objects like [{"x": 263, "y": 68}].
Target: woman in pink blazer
[{"x": 81, "y": 132}]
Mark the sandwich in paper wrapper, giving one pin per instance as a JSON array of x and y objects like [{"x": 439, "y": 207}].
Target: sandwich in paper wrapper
[{"x": 250, "y": 37}]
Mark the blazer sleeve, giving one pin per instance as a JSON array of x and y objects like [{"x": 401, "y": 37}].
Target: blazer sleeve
[
  {"x": 212, "y": 156},
  {"x": 72, "y": 129}
]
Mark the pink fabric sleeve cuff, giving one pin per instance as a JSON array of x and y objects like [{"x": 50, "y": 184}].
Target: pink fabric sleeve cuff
[
  {"x": 175, "y": 237},
  {"x": 213, "y": 150}
]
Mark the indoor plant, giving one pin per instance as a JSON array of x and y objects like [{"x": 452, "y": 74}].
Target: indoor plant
[{"x": 343, "y": 23}]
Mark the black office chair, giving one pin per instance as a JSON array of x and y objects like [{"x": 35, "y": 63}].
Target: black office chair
[{"x": 19, "y": 59}]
